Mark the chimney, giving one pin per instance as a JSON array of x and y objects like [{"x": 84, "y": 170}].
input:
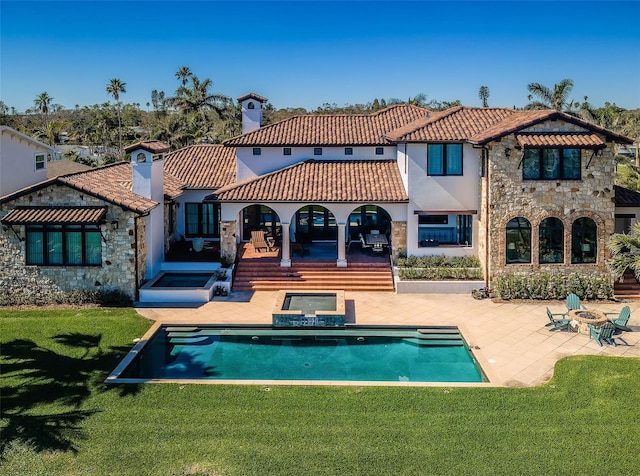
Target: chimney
[{"x": 251, "y": 112}]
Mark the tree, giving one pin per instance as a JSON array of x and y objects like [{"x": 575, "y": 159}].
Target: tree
[
  {"x": 114, "y": 88},
  {"x": 551, "y": 99},
  {"x": 42, "y": 102},
  {"x": 183, "y": 74},
  {"x": 483, "y": 94},
  {"x": 625, "y": 249}
]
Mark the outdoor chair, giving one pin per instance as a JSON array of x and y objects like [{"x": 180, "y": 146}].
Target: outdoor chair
[
  {"x": 621, "y": 321},
  {"x": 258, "y": 241},
  {"x": 558, "y": 324},
  {"x": 377, "y": 247},
  {"x": 364, "y": 245},
  {"x": 573, "y": 303},
  {"x": 603, "y": 334}
]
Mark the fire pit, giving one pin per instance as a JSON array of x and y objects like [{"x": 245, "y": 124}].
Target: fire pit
[{"x": 580, "y": 320}]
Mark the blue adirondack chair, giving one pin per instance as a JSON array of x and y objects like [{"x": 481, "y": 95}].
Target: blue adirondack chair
[
  {"x": 573, "y": 303},
  {"x": 621, "y": 321},
  {"x": 558, "y": 324},
  {"x": 603, "y": 334}
]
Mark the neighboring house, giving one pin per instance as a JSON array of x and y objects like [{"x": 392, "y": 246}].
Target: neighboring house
[
  {"x": 522, "y": 190},
  {"x": 64, "y": 167},
  {"x": 23, "y": 160}
]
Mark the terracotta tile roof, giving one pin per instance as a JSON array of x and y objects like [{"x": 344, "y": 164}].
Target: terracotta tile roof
[
  {"x": 203, "y": 166},
  {"x": 331, "y": 130},
  {"x": 113, "y": 184},
  {"x": 153, "y": 146},
  {"x": 323, "y": 181},
  {"x": 626, "y": 197},
  {"x": 55, "y": 215},
  {"x": 255, "y": 96},
  {"x": 455, "y": 124},
  {"x": 522, "y": 119},
  {"x": 581, "y": 140}
]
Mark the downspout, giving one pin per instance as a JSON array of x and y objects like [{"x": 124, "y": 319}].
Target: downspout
[
  {"x": 485, "y": 159},
  {"x": 135, "y": 257}
]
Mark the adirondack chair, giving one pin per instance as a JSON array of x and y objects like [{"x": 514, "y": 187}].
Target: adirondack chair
[
  {"x": 603, "y": 334},
  {"x": 621, "y": 321},
  {"x": 573, "y": 303},
  {"x": 258, "y": 241},
  {"x": 558, "y": 324}
]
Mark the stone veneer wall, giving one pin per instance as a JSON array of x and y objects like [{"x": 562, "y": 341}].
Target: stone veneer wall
[
  {"x": 228, "y": 243},
  {"x": 398, "y": 239},
  {"x": 118, "y": 250},
  {"x": 510, "y": 196}
]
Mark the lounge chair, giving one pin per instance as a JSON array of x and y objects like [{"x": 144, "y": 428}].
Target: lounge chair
[
  {"x": 573, "y": 303},
  {"x": 603, "y": 334},
  {"x": 558, "y": 324},
  {"x": 621, "y": 321},
  {"x": 258, "y": 241}
]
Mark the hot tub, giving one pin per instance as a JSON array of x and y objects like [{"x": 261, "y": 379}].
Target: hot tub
[{"x": 309, "y": 309}]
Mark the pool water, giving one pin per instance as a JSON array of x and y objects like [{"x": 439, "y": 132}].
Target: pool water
[
  {"x": 182, "y": 280},
  {"x": 357, "y": 353},
  {"x": 309, "y": 303}
]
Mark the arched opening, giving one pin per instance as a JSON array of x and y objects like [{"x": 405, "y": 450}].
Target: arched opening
[
  {"x": 315, "y": 223},
  {"x": 261, "y": 217},
  {"x": 584, "y": 243},
  {"x": 551, "y": 241},
  {"x": 518, "y": 240},
  {"x": 366, "y": 218}
]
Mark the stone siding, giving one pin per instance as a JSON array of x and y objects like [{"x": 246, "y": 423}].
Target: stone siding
[
  {"x": 228, "y": 242},
  {"x": 398, "y": 239},
  {"x": 510, "y": 196},
  {"x": 117, "y": 271}
]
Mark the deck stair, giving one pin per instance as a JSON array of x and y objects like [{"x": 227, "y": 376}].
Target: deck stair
[
  {"x": 629, "y": 287},
  {"x": 267, "y": 275}
]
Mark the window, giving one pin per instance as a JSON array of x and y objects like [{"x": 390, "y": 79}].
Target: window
[
  {"x": 257, "y": 151},
  {"x": 286, "y": 151},
  {"x": 551, "y": 164},
  {"x": 551, "y": 241},
  {"x": 63, "y": 245},
  {"x": 251, "y": 105},
  {"x": 444, "y": 159},
  {"x": 584, "y": 245},
  {"x": 317, "y": 151},
  {"x": 379, "y": 150},
  {"x": 518, "y": 240},
  {"x": 348, "y": 151},
  {"x": 201, "y": 219},
  {"x": 435, "y": 230},
  {"x": 41, "y": 161}
]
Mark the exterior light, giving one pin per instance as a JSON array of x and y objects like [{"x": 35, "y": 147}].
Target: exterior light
[
  {"x": 507, "y": 152},
  {"x": 114, "y": 224}
]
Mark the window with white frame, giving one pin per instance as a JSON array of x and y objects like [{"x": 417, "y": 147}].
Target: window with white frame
[{"x": 41, "y": 161}]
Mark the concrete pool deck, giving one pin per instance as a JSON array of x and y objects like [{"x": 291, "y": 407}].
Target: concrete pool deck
[{"x": 509, "y": 340}]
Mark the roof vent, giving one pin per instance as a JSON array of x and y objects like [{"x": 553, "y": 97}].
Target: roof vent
[{"x": 426, "y": 115}]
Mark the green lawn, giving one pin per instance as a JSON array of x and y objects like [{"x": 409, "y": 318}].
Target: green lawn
[{"x": 58, "y": 417}]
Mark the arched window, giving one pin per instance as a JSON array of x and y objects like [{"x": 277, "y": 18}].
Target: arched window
[
  {"x": 518, "y": 241},
  {"x": 551, "y": 241},
  {"x": 251, "y": 106},
  {"x": 584, "y": 245}
]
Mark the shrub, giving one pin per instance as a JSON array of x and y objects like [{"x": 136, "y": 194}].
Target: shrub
[
  {"x": 435, "y": 268},
  {"x": 547, "y": 286},
  {"x": 438, "y": 261}
]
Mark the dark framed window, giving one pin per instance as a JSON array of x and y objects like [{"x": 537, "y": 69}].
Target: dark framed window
[
  {"x": 436, "y": 230},
  {"x": 63, "y": 245},
  {"x": 379, "y": 150},
  {"x": 584, "y": 243},
  {"x": 257, "y": 151},
  {"x": 551, "y": 164},
  {"x": 551, "y": 247},
  {"x": 433, "y": 219},
  {"x": 444, "y": 159},
  {"x": 41, "y": 161},
  {"x": 518, "y": 240},
  {"x": 286, "y": 151},
  {"x": 202, "y": 219},
  {"x": 317, "y": 151},
  {"x": 348, "y": 151}
]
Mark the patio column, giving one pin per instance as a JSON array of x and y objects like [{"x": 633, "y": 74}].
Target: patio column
[
  {"x": 342, "y": 260},
  {"x": 285, "y": 259},
  {"x": 398, "y": 238}
]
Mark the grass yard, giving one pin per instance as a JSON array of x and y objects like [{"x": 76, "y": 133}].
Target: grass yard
[{"x": 58, "y": 417}]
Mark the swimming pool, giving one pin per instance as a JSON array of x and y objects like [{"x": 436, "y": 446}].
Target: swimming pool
[{"x": 263, "y": 353}]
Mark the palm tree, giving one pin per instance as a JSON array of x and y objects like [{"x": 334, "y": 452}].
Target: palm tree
[
  {"x": 183, "y": 74},
  {"x": 42, "y": 102},
  {"x": 551, "y": 99},
  {"x": 114, "y": 88},
  {"x": 625, "y": 249}
]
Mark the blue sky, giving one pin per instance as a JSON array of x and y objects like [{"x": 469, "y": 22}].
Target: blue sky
[{"x": 307, "y": 53}]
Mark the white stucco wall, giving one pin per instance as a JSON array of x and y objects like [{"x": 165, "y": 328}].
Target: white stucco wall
[
  {"x": 18, "y": 162},
  {"x": 272, "y": 158}
]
